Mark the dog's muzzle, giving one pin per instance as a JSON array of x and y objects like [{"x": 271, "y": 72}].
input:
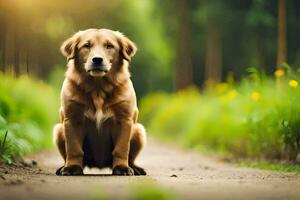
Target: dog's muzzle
[
  {"x": 97, "y": 67},
  {"x": 97, "y": 71}
]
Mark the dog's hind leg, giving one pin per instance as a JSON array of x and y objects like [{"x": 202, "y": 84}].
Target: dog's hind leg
[
  {"x": 137, "y": 143},
  {"x": 59, "y": 140}
]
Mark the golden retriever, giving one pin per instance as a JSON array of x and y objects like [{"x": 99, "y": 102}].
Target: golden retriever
[{"x": 98, "y": 115}]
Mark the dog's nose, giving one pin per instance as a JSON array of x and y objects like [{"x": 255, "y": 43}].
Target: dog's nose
[{"x": 97, "y": 60}]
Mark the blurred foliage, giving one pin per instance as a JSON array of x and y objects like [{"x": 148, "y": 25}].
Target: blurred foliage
[
  {"x": 28, "y": 111},
  {"x": 33, "y": 30},
  {"x": 258, "y": 118},
  {"x": 145, "y": 190},
  {"x": 272, "y": 166},
  {"x": 56, "y": 77},
  {"x": 149, "y": 191}
]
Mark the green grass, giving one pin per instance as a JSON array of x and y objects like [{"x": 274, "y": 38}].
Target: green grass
[
  {"x": 272, "y": 166},
  {"x": 257, "y": 118},
  {"x": 145, "y": 190},
  {"x": 28, "y": 110}
]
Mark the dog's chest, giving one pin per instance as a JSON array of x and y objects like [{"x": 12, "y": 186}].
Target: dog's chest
[
  {"x": 98, "y": 111},
  {"x": 99, "y": 115}
]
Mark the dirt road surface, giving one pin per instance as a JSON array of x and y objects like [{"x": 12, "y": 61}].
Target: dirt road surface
[{"x": 186, "y": 174}]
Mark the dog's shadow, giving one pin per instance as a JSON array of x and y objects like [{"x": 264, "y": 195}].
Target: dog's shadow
[{"x": 101, "y": 175}]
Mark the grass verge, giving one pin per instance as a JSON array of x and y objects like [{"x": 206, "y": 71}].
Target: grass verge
[
  {"x": 28, "y": 110},
  {"x": 272, "y": 166},
  {"x": 258, "y": 118}
]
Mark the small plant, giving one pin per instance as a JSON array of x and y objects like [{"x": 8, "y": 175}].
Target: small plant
[
  {"x": 2, "y": 147},
  {"x": 7, "y": 149},
  {"x": 3, "y": 141}
]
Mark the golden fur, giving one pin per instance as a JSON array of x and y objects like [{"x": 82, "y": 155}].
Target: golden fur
[{"x": 98, "y": 125}]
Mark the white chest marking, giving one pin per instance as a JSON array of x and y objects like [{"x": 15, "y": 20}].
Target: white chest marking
[{"x": 100, "y": 117}]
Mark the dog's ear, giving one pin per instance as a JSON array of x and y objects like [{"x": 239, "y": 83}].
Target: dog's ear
[
  {"x": 68, "y": 46},
  {"x": 127, "y": 47}
]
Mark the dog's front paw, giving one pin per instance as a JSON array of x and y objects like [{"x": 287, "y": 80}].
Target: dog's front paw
[
  {"x": 58, "y": 171},
  {"x": 138, "y": 171},
  {"x": 122, "y": 171},
  {"x": 72, "y": 170}
]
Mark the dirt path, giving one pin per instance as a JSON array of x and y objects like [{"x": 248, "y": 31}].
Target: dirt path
[{"x": 190, "y": 175}]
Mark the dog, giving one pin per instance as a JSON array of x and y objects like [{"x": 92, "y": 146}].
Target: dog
[{"x": 98, "y": 114}]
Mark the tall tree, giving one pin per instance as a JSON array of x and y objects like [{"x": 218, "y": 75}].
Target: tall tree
[
  {"x": 282, "y": 47},
  {"x": 184, "y": 66},
  {"x": 213, "y": 55},
  {"x": 211, "y": 14},
  {"x": 260, "y": 25}
]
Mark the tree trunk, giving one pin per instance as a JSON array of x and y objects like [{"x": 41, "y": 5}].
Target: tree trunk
[
  {"x": 184, "y": 66},
  {"x": 3, "y": 37},
  {"x": 17, "y": 53},
  {"x": 214, "y": 54},
  {"x": 282, "y": 49},
  {"x": 3, "y": 49}
]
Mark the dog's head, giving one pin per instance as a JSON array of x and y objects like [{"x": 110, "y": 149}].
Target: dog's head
[{"x": 97, "y": 51}]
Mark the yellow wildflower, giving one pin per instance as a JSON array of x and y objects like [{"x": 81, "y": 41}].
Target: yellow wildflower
[
  {"x": 255, "y": 96},
  {"x": 293, "y": 83},
  {"x": 279, "y": 73},
  {"x": 232, "y": 94}
]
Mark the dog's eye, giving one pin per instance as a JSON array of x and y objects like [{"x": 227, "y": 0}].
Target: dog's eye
[
  {"x": 87, "y": 45},
  {"x": 109, "y": 46}
]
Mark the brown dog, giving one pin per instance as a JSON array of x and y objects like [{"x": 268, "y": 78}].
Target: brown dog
[{"x": 98, "y": 126}]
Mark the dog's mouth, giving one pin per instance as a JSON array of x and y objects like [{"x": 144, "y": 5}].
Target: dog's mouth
[{"x": 97, "y": 70}]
